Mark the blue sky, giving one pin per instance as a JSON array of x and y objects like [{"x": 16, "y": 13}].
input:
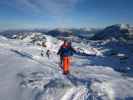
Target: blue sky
[{"x": 30, "y": 14}]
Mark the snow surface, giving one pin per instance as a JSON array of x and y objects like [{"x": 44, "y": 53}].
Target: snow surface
[{"x": 26, "y": 75}]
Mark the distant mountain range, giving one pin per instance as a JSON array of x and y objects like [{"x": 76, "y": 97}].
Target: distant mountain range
[
  {"x": 118, "y": 31},
  {"x": 58, "y": 32}
]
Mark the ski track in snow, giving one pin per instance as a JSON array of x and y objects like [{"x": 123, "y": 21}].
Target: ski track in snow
[{"x": 74, "y": 93}]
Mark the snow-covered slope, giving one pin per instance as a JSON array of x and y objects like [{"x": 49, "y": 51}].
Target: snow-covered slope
[{"x": 26, "y": 75}]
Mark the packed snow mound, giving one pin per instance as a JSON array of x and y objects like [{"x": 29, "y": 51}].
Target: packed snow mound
[
  {"x": 2, "y": 38},
  {"x": 103, "y": 89}
]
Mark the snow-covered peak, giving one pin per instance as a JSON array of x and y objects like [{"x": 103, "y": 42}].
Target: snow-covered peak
[
  {"x": 116, "y": 31},
  {"x": 125, "y": 26},
  {"x": 122, "y": 26}
]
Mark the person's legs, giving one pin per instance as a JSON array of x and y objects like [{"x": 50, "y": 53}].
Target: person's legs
[
  {"x": 68, "y": 62},
  {"x": 66, "y": 65},
  {"x": 61, "y": 61}
]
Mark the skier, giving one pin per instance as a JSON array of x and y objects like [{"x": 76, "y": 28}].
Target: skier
[
  {"x": 42, "y": 53},
  {"x": 65, "y": 52},
  {"x": 48, "y": 53}
]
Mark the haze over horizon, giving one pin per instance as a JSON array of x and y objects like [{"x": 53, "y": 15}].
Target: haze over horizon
[{"x": 30, "y": 14}]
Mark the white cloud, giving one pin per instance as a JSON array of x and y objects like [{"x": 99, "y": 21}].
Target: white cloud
[
  {"x": 56, "y": 7},
  {"x": 53, "y": 7}
]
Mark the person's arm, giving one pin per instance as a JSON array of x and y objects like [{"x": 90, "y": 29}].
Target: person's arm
[
  {"x": 59, "y": 51},
  {"x": 73, "y": 50}
]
